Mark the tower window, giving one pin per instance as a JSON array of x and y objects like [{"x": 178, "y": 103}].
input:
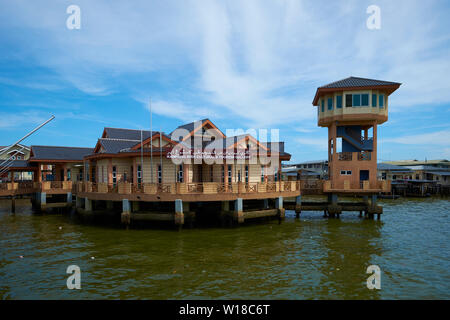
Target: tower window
[
  {"x": 365, "y": 100},
  {"x": 330, "y": 103},
  {"x": 356, "y": 100},
  {"x": 348, "y": 100},
  {"x": 323, "y": 105},
  {"x": 381, "y": 101},
  {"x": 374, "y": 100},
  {"x": 338, "y": 102}
]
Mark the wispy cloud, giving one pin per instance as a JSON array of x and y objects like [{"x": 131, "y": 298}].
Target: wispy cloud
[{"x": 440, "y": 138}]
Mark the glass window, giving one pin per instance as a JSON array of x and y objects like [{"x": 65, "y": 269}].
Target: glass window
[
  {"x": 338, "y": 102},
  {"x": 159, "y": 174},
  {"x": 343, "y": 172},
  {"x": 139, "y": 173},
  {"x": 348, "y": 100},
  {"x": 356, "y": 100},
  {"x": 365, "y": 100},
  {"x": 114, "y": 174},
  {"x": 381, "y": 102},
  {"x": 323, "y": 105},
  {"x": 229, "y": 173},
  {"x": 374, "y": 100},
  {"x": 349, "y": 173},
  {"x": 180, "y": 173},
  {"x": 330, "y": 103}
]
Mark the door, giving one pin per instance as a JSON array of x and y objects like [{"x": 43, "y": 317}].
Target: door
[{"x": 363, "y": 175}]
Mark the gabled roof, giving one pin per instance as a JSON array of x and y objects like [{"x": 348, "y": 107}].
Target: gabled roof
[
  {"x": 196, "y": 125},
  {"x": 18, "y": 145},
  {"x": 115, "y": 145},
  {"x": 355, "y": 83},
  {"x": 59, "y": 153}
]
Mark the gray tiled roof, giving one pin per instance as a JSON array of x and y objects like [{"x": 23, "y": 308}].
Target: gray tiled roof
[
  {"x": 191, "y": 126},
  {"x": 129, "y": 134},
  {"x": 15, "y": 164},
  {"x": 59, "y": 153},
  {"x": 116, "y": 145},
  {"x": 358, "y": 82}
]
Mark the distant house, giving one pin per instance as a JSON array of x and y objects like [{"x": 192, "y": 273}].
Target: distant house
[
  {"x": 14, "y": 157},
  {"x": 437, "y": 171}
]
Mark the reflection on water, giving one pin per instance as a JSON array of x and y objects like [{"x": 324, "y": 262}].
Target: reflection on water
[{"x": 310, "y": 258}]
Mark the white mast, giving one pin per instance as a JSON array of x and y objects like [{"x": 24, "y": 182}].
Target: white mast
[{"x": 151, "y": 143}]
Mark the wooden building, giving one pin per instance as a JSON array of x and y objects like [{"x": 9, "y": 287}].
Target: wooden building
[{"x": 194, "y": 166}]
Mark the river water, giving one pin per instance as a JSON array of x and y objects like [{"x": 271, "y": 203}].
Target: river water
[{"x": 306, "y": 258}]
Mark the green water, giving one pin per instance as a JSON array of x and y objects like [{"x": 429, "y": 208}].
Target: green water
[{"x": 309, "y": 258}]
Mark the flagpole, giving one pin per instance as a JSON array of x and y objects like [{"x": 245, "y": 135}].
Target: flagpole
[
  {"x": 151, "y": 143},
  {"x": 142, "y": 160},
  {"x": 160, "y": 151}
]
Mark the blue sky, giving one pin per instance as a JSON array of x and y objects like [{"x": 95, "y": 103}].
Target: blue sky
[{"x": 243, "y": 64}]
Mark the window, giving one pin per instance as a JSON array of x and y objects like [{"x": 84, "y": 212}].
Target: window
[
  {"x": 229, "y": 173},
  {"x": 417, "y": 177},
  {"x": 348, "y": 100},
  {"x": 365, "y": 100},
  {"x": 114, "y": 174},
  {"x": 339, "y": 102},
  {"x": 323, "y": 105},
  {"x": 330, "y": 103},
  {"x": 139, "y": 174},
  {"x": 374, "y": 100},
  {"x": 356, "y": 100},
  {"x": 246, "y": 174},
  {"x": 346, "y": 172},
  {"x": 19, "y": 157},
  {"x": 211, "y": 174},
  {"x": 159, "y": 174},
  {"x": 68, "y": 175},
  {"x": 180, "y": 173},
  {"x": 262, "y": 174},
  {"x": 381, "y": 102},
  {"x": 223, "y": 174},
  {"x": 13, "y": 158}
]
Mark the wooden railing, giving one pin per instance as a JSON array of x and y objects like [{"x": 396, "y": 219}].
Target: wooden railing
[
  {"x": 189, "y": 188},
  {"x": 347, "y": 185}
]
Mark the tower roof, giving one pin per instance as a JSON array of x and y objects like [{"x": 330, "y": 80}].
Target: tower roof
[{"x": 354, "y": 83}]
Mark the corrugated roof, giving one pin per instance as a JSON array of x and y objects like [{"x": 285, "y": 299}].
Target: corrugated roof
[
  {"x": 59, "y": 153},
  {"x": 358, "y": 82}
]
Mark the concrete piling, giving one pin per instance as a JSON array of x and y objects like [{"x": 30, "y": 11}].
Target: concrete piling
[{"x": 238, "y": 215}]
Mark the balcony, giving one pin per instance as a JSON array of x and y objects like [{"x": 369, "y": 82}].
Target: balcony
[
  {"x": 28, "y": 187},
  {"x": 350, "y": 156},
  {"x": 360, "y": 186},
  {"x": 208, "y": 190}
]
